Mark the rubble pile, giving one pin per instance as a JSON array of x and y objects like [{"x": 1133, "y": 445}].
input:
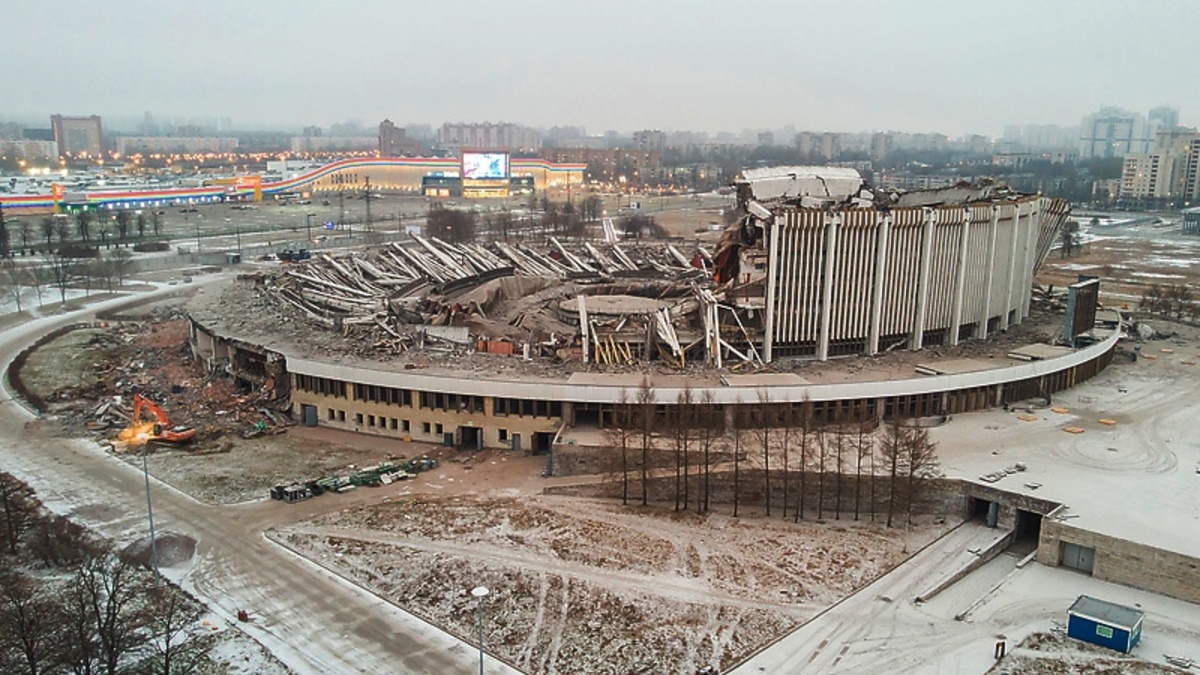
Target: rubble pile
[
  {"x": 429, "y": 296},
  {"x": 152, "y": 358}
]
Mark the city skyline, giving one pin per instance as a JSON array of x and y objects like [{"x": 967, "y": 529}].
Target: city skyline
[{"x": 878, "y": 66}]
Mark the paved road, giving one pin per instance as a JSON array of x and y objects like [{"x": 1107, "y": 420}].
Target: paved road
[{"x": 313, "y": 621}]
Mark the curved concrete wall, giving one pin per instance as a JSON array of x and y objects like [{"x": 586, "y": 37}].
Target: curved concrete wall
[
  {"x": 864, "y": 280},
  {"x": 594, "y": 392}
]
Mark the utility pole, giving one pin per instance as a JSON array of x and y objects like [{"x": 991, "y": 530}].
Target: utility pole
[{"x": 150, "y": 515}]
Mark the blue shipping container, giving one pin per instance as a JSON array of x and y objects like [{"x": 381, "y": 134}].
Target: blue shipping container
[{"x": 1104, "y": 623}]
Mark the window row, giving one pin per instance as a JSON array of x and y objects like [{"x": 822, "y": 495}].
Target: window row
[
  {"x": 377, "y": 394},
  {"x": 319, "y": 385},
  {"x": 526, "y": 407},
  {"x": 452, "y": 402}
]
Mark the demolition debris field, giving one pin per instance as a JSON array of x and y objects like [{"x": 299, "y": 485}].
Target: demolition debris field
[{"x": 581, "y": 586}]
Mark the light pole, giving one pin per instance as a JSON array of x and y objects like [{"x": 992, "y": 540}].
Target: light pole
[
  {"x": 150, "y": 514},
  {"x": 480, "y": 592},
  {"x": 308, "y": 224}
]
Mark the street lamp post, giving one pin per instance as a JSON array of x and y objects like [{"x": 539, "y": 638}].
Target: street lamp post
[
  {"x": 150, "y": 514},
  {"x": 308, "y": 223},
  {"x": 480, "y": 592}
]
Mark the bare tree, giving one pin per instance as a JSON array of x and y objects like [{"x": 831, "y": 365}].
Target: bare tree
[
  {"x": 141, "y": 225},
  {"x": 30, "y": 625},
  {"x": 922, "y": 466},
  {"x": 893, "y": 448},
  {"x": 61, "y": 271},
  {"x": 62, "y": 228},
  {"x": 123, "y": 220},
  {"x": 113, "y": 592},
  {"x": 83, "y": 223},
  {"x": 863, "y": 447},
  {"x": 156, "y": 222},
  {"x": 19, "y": 507},
  {"x": 26, "y": 231},
  {"x": 48, "y": 228},
  {"x": 739, "y": 422},
  {"x": 58, "y": 542},
  {"x": 683, "y": 420},
  {"x": 764, "y": 426},
  {"x": 172, "y": 616},
  {"x": 121, "y": 262},
  {"x": 707, "y": 434},
  {"x": 646, "y": 422},
  {"x": 618, "y": 432},
  {"x": 839, "y": 448},
  {"x": 821, "y": 443},
  {"x": 805, "y": 422},
  {"x": 12, "y": 279}
]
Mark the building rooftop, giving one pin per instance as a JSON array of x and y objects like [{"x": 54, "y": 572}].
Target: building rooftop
[{"x": 1102, "y": 611}]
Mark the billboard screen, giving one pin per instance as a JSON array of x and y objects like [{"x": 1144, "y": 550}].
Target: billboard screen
[{"x": 485, "y": 165}]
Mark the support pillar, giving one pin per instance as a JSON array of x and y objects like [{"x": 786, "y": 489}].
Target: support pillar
[
  {"x": 881, "y": 253},
  {"x": 917, "y": 339},
  {"x": 773, "y": 268},
  {"x": 1012, "y": 266},
  {"x": 989, "y": 275},
  {"x": 832, "y": 226},
  {"x": 960, "y": 278}
]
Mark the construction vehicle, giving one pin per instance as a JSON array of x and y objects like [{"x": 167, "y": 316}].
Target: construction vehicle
[{"x": 159, "y": 430}]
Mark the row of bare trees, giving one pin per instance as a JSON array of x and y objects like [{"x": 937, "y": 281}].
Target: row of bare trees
[
  {"x": 1176, "y": 301},
  {"x": 803, "y": 461},
  {"x": 59, "y": 271},
  {"x": 69, "y": 604},
  {"x": 23, "y": 236}
]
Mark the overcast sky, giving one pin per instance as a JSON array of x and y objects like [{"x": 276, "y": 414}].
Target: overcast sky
[{"x": 961, "y": 66}]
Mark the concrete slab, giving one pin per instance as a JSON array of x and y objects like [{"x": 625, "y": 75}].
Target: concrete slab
[
  {"x": 1038, "y": 352},
  {"x": 953, "y": 366}
]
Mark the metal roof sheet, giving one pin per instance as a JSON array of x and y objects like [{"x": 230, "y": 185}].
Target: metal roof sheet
[{"x": 1106, "y": 612}]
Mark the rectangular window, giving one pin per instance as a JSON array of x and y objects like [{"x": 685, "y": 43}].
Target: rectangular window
[
  {"x": 503, "y": 435},
  {"x": 406, "y": 426},
  {"x": 392, "y": 423},
  {"x": 425, "y": 427},
  {"x": 332, "y": 414},
  {"x": 341, "y": 415},
  {"x": 438, "y": 428},
  {"x": 358, "y": 418},
  {"x": 370, "y": 420},
  {"x": 1104, "y": 631}
]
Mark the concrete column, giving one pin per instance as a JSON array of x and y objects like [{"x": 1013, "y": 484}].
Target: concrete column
[
  {"x": 1012, "y": 266},
  {"x": 832, "y": 226},
  {"x": 1032, "y": 227},
  {"x": 772, "y": 287},
  {"x": 917, "y": 339},
  {"x": 989, "y": 276},
  {"x": 960, "y": 279},
  {"x": 881, "y": 252}
]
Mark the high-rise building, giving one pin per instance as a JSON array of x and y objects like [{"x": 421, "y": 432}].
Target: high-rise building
[
  {"x": 78, "y": 136},
  {"x": 1164, "y": 117},
  {"x": 1113, "y": 132},
  {"x": 1169, "y": 172},
  {"x": 488, "y": 136},
  {"x": 392, "y": 141},
  {"x": 650, "y": 139}
]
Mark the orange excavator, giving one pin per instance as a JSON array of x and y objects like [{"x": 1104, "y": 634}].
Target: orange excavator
[{"x": 160, "y": 430}]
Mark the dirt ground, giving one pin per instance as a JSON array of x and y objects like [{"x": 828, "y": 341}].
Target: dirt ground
[
  {"x": 1056, "y": 654},
  {"x": 1128, "y": 260},
  {"x": 582, "y": 586}
]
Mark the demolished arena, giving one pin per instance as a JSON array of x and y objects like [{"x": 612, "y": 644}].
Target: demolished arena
[{"x": 507, "y": 343}]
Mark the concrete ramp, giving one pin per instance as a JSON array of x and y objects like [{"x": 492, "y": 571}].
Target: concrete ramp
[{"x": 977, "y": 544}]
